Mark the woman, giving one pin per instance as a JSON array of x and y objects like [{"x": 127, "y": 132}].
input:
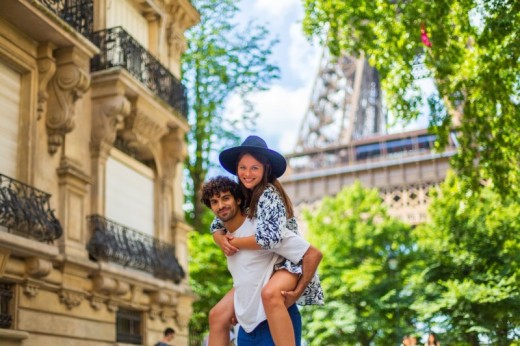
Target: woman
[{"x": 432, "y": 340}]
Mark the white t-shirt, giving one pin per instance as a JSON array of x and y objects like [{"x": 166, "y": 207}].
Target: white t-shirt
[{"x": 252, "y": 269}]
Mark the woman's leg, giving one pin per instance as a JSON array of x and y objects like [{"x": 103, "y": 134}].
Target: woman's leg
[
  {"x": 278, "y": 317},
  {"x": 220, "y": 320}
]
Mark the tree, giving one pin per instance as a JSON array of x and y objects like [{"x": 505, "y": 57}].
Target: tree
[
  {"x": 471, "y": 50},
  {"x": 222, "y": 59},
  {"x": 471, "y": 251},
  {"x": 366, "y": 297}
]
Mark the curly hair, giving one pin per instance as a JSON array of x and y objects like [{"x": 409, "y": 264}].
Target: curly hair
[{"x": 218, "y": 185}]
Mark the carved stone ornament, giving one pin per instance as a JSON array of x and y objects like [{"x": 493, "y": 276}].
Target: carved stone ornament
[
  {"x": 141, "y": 130},
  {"x": 174, "y": 151},
  {"x": 180, "y": 17},
  {"x": 67, "y": 86},
  {"x": 112, "y": 306},
  {"x": 71, "y": 299},
  {"x": 182, "y": 319},
  {"x": 103, "y": 284},
  {"x": 30, "y": 289},
  {"x": 37, "y": 267},
  {"x": 46, "y": 69},
  {"x": 108, "y": 120},
  {"x": 154, "y": 313},
  {"x": 168, "y": 314},
  {"x": 96, "y": 303},
  {"x": 176, "y": 42}
]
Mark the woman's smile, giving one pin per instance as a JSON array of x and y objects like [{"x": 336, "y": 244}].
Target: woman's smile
[{"x": 250, "y": 171}]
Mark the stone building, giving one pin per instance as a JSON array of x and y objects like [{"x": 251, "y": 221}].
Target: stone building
[{"x": 92, "y": 123}]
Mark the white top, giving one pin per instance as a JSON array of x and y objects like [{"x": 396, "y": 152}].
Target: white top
[{"x": 252, "y": 269}]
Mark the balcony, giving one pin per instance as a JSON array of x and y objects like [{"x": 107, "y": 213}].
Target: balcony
[
  {"x": 119, "y": 49},
  {"x": 26, "y": 211},
  {"x": 77, "y": 13},
  {"x": 113, "y": 242}
]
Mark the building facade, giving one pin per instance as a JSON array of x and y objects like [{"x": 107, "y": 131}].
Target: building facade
[
  {"x": 92, "y": 125},
  {"x": 402, "y": 166}
]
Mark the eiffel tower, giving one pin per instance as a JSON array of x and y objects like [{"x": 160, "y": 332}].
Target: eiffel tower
[
  {"x": 343, "y": 137},
  {"x": 345, "y": 104}
]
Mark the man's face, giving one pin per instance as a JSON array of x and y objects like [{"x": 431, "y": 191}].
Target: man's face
[{"x": 224, "y": 206}]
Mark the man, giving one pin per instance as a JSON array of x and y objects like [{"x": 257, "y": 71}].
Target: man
[
  {"x": 169, "y": 333},
  {"x": 252, "y": 269}
]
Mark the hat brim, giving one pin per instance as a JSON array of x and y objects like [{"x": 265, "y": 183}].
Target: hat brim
[{"x": 229, "y": 158}]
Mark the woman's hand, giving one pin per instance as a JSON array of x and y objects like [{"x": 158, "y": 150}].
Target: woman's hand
[{"x": 223, "y": 241}]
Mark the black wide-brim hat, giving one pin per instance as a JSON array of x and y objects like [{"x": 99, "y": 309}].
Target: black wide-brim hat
[{"x": 253, "y": 144}]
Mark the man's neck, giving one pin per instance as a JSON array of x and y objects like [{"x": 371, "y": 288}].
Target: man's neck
[{"x": 235, "y": 223}]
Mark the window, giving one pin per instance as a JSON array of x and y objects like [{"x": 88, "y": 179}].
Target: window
[
  {"x": 426, "y": 141},
  {"x": 10, "y": 89},
  {"x": 6, "y": 293},
  {"x": 124, "y": 13},
  {"x": 128, "y": 326},
  {"x": 367, "y": 151},
  {"x": 399, "y": 145},
  {"x": 130, "y": 193}
]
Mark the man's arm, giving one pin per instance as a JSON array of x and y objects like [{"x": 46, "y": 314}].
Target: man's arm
[{"x": 311, "y": 260}]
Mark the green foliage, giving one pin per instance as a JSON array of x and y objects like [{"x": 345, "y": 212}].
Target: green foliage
[
  {"x": 209, "y": 277},
  {"x": 472, "y": 251},
  {"x": 474, "y": 61},
  {"x": 366, "y": 301},
  {"x": 222, "y": 59}
]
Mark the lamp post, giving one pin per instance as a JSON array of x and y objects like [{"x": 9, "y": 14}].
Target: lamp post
[{"x": 393, "y": 264}]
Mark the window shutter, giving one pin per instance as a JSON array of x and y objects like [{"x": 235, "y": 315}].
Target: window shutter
[
  {"x": 123, "y": 13},
  {"x": 130, "y": 193},
  {"x": 10, "y": 89}
]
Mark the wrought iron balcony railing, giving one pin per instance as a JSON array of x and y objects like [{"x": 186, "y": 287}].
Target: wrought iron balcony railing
[
  {"x": 77, "y": 13},
  {"x": 118, "y": 48},
  {"x": 6, "y": 294},
  {"x": 113, "y": 242},
  {"x": 26, "y": 211}
]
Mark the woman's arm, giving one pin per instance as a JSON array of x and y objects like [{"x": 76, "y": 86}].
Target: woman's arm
[
  {"x": 271, "y": 219},
  {"x": 248, "y": 243}
]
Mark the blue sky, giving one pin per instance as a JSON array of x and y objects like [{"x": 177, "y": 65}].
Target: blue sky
[{"x": 283, "y": 106}]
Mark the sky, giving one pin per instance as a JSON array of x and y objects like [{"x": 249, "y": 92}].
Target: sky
[{"x": 283, "y": 106}]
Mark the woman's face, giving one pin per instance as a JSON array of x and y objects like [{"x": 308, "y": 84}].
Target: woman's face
[{"x": 250, "y": 171}]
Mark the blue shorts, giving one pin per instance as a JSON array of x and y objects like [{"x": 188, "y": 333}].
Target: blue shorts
[{"x": 261, "y": 336}]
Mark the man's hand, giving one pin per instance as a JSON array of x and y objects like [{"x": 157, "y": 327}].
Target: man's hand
[
  {"x": 291, "y": 297},
  {"x": 234, "y": 320},
  {"x": 310, "y": 262},
  {"x": 222, "y": 239}
]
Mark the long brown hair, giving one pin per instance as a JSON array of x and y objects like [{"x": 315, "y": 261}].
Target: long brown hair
[{"x": 252, "y": 196}]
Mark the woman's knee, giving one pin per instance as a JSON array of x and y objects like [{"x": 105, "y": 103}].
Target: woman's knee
[{"x": 271, "y": 296}]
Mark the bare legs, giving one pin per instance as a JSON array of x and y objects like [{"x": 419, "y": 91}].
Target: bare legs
[
  {"x": 220, "y": 318},
  {"x": 280, "y": 324}
]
